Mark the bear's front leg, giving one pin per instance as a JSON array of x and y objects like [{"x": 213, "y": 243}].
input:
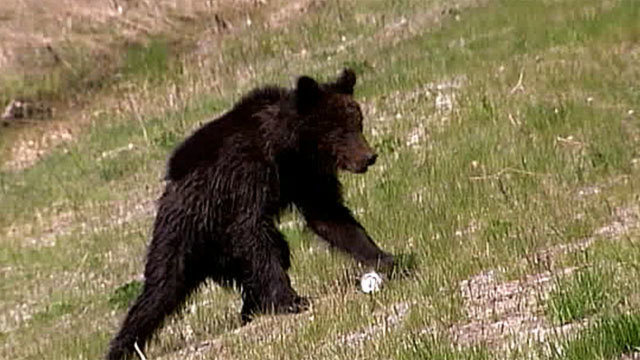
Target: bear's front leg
[
  {"x": 326, "y": 215},
  {"x": 335, "y": 224},
  {"x": 346, "y": 234},
  {"x": 251, "y": 306}
]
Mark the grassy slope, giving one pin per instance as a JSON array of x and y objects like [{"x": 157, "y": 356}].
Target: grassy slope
[{"x": 488, "y": 182}]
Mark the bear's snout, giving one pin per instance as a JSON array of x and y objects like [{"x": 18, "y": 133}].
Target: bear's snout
[
  {"x": 358, "y": 155},
  {"x": 361, "y": 165},
  {"x": 372, "y": 159}
]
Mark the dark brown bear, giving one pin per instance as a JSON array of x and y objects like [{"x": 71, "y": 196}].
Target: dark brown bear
[{"x": 226, "y": 186}]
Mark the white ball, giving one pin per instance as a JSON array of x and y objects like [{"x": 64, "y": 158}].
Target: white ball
[{"x": 370, "y": 282}]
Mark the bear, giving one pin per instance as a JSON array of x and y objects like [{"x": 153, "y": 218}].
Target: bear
[{"x": 225, "y": 188}]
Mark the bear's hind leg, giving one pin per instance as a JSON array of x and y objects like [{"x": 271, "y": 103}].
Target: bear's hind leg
[{"x": 164, "y": 291}]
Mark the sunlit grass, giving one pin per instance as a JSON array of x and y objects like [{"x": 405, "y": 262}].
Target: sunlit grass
[
  {"x": 607, "y": 338},
  {"x": 580, "y": 295},
  {"x": 475, "y": 173}
]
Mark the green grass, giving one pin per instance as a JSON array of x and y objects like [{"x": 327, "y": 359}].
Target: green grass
[
  {"x": 581, "y": 295},
  {"x": 150, "y": 61},
  {"x": 53, "y": 311},
  {"x": 607, "y": 338},
  {"x": 54, "y": 80},
  {"x": 486, "y": 184},
  {"x": 430, "y": 347},
  {"x": 124, "y": 295}
]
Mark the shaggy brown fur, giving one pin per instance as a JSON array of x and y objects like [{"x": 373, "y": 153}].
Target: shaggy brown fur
[{"x": 226, "y": 186}]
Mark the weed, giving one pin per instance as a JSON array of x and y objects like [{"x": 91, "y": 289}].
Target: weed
[{"x": 124, "y": 295}]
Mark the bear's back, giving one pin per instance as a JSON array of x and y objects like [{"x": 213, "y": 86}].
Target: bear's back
[{"x": 207, "y": 144}]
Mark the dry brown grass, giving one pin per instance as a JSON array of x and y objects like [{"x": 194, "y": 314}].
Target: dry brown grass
[
  {"x": 38, "y": 38},
  {"x": 33, "y": 29}
]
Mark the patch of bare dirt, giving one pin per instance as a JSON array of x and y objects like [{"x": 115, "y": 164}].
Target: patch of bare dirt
[
  {"x": 384, "y": 321},
  {"x": 395, "y": 106},
  {"x": 498, "y": 311},
  {"x": 291, "y": 10},
  {"x": 633, "y": 356},
  {"x": 28, "y": 150},
  {"x": 41, "y": 36},
  {"x": 11, "y": 317},
  {"x": 33, "y": 30},
  {"x": 262, "y": 329},
  {"x": 270, "y": 328},
  {"x": 404, "y": 27},
  {"x": 624, "y": 220},
  {"x": 200, "y": 350},
  {"x": 50, "y": 227}
]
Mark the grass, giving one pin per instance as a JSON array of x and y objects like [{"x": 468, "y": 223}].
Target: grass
[
  {"x": 582, "y": 295},
  {"x": 124, "y": 295},
  {"x": 474, "y": 174},
  {"x": 57, "y": 51},
  {"x": 429, "y": 347},
  {"x": 609, "y": 337}
]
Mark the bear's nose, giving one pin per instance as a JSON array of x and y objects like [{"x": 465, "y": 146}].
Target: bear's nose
[{"x": 372, "y": 159}]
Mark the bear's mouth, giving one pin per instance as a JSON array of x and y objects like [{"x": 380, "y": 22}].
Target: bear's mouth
[
  {"x": 360, "y": 165},
  {"x": 355, "y": 168},
  {"x": 361, "y": 170}
]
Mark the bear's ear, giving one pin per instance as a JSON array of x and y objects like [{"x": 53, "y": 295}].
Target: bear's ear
[
  {"x": 346, "y": 82},
  {"x": 308, "y": 93}
]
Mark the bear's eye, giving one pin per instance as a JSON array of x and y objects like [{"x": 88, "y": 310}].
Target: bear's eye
[
  {"x": 358, "y": 118},
  {"x": 354, "y": 116}
]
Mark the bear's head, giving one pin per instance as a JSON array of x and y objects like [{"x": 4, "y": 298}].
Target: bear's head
[{"x": 332, "y": 122}]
